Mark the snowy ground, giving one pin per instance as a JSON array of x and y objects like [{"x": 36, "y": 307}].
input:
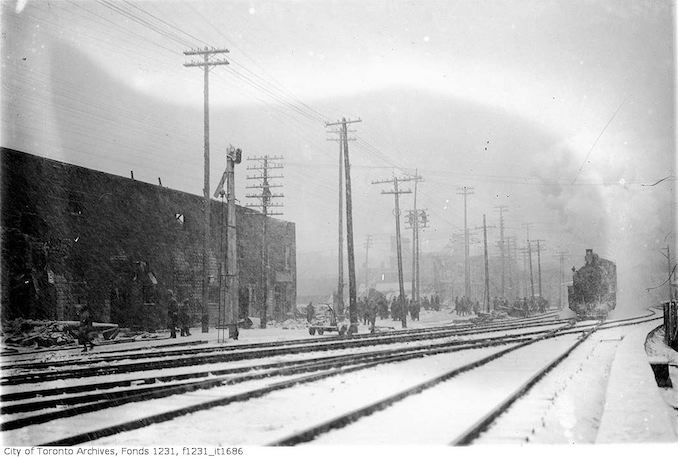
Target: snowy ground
[
  {"x": 572, "y": 404},
  {"x": 274, "y": 416},
  {"x": 604, "y": 392}
]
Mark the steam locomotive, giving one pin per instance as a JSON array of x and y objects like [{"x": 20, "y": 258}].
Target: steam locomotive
[{"x": 593, "y": 292}]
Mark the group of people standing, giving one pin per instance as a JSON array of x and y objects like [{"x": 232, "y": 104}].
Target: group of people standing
[{"x": 178, "y": 316}]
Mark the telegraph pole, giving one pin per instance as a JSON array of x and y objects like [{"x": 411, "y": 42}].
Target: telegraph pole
[
  {"x": 502, "y": 248},
  {"x": 368, "y": 244},
  {"x": 206, "y": 64},
  {"x": 265, "y": 164},
  {"x": 340, "y": 223},
  {"x": 466, "y": 191},
  {"x": 529, "y": 254},
  {"x": 353, "y": 307},
  {"x": 229, "y": 299},
  {"x": 510, "y": 263},
  {"x": 539, "y": 265},
  {"x": 487, "y": 269},
  {"x": 422, "y": 222},
  {"x": 413, "y": 218},
  {"x": 396, "y": 194},
  {"x": 417, "y": 220}
]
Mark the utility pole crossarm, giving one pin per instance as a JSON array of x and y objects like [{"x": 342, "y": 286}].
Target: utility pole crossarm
[
  {"x": 206, "y": 51},
  {"x": 391, "y": 192},
  {"x": 343, "y": 122},
  {"x": 211, "y": 63}
]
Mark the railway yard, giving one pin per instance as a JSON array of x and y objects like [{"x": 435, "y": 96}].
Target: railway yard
[{"x": 538, "y": 379}]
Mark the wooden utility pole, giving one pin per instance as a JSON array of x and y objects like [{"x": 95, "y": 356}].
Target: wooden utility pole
[
  {"x": 353, "y": 306},
  {"x": 502, "y": 248},
  {"x": 529, "y": 255},
  {"x": 466, "y": 191},
  {"x": 340, "y": 225},
  {"x": 229, "y": 298},
  {"x": 264, "y": 202},
  {"x": 396, "y": 194},
  {"x": 206, "y": 64},
  {"x": 509, "y": 242},
  {"x": 413, "y": 218},
  {"x": 486, "y": 297},
  {"x": 417, "y": 220},
  {"x": 368, "y": 244},
  {"x": 340, "y": 221},
  {"x": 539, "y": 265}
]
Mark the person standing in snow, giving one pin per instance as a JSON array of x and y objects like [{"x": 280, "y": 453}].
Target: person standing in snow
[
  {"x": 184, "y": 319},
  {"x": 85, "y": 328},
  {"x": 172, "y": 314}
]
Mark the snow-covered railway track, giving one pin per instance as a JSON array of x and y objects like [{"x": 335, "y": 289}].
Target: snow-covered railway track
[
  {"x": 92, "y": 398},
  {"x": 148, "y": 361},
  {"x": 323, "y": 369},
  {"x": 368, "y": 425},
  {"x": 159, "y": 351}
]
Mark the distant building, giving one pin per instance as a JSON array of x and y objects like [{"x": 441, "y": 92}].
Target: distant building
[{"x": 71, "y": 235}]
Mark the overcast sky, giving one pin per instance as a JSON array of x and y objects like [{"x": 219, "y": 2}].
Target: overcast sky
[{"x": 559, "y": 109}]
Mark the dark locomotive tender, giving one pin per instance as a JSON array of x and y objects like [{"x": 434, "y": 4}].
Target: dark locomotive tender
[{"x": 593, "y": 292}]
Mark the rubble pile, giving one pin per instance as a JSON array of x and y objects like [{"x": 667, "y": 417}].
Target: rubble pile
[{"x": 20, "y": 332}]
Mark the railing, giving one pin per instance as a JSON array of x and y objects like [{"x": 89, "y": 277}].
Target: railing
[{"x": 671, "y": 324}]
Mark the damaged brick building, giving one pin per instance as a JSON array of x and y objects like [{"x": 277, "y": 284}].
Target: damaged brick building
[{"x": 71, "y": 235}]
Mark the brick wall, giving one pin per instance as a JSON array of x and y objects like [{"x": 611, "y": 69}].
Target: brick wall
[{"x": 72, "y": 235}]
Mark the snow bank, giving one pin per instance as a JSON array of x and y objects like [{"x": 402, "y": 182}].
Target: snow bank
[{"x": 634, "y": 410}]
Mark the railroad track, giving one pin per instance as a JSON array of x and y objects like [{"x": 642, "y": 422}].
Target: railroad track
[
  {"x": 105, "y": 366},
  {"x": 291, "y": 373},
  {"x": 320, "y": 368},
  {"x": 123, "y": 354},
  {"x": 136, "y": 393},
  {"x": 469, "y": 434}
]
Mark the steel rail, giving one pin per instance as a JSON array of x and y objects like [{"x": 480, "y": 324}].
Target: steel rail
[
  {"x": 118, "y": 398},
  {"x": 169, "y": 415},
  {"x": 276, "y": 344},
  {"x": 166, "y": 362},
  {"x": 27, "y": 394},
  {"x": 353, "y": 416}
]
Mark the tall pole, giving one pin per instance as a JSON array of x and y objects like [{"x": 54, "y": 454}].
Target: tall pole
[
  {"x": 502, "y": 248},
  {"x": 340, "y": 251},
  {"x": 233, "y": 157},
  {"x": 466, "y": 191},
  {"x": 264, "y": 202},
  {"x": 206, "y": 64},
  {"x": 529, "y": 255},
  {"x": 415, "y": 240},
  {"x": 487, "y": 269},
  {"x": 396, "y": 193},
  {"x": 368, "y": 243},
  {"x": 353, "y": 306},
  {"x": 539, "y": 266},
  {"x": 510, "y": 267}
]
